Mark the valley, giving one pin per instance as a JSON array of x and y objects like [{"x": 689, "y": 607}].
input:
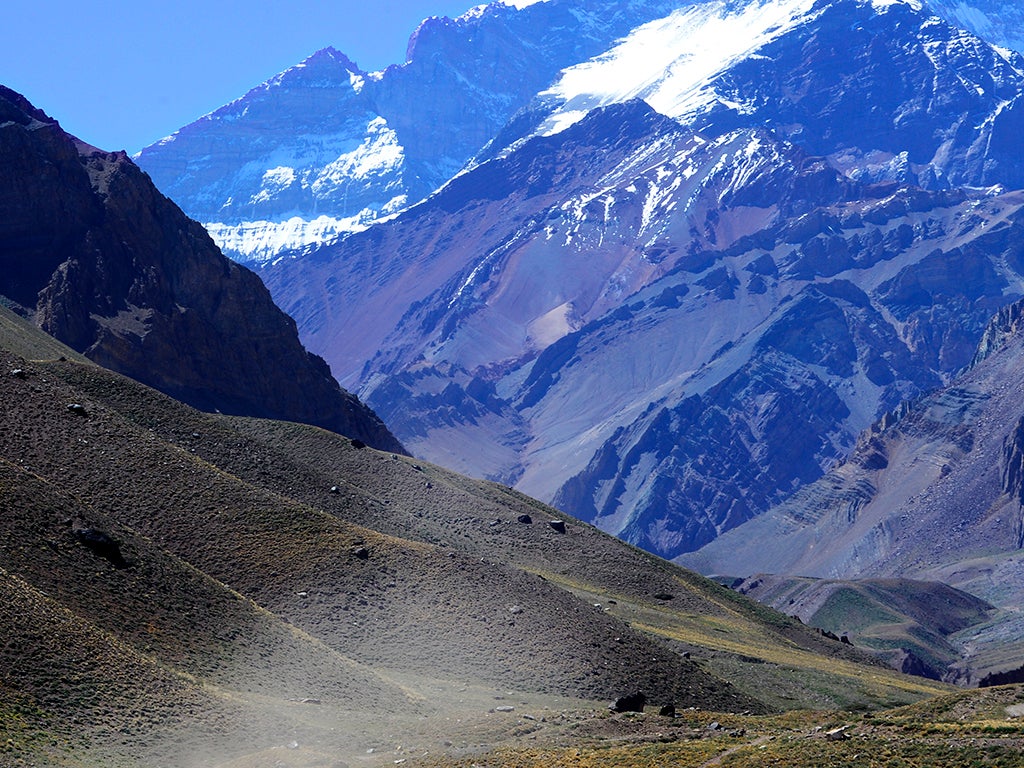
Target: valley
[{"x": 605, "y": 385}]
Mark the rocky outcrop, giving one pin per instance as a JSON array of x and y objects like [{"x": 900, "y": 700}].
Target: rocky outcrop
[{"x": 111, "y": 267}]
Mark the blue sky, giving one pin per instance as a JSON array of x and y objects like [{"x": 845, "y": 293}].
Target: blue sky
[{"x": 121, "y": 75}]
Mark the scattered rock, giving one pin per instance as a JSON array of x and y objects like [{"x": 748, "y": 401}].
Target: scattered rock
[
  {"x": 634, "y": 702},
  {"x": 715, "y": 726},
  {"x": 18, "y": 373},
  {"x": 837, "y": 734},
  {"x": 663, "y": 596},
  {"x": 505, "y": 709},
  {"x": 361, "y": 552},
  {"x": 335, "y": 489},
  {"x": 358, "y": 444},
  {"x": 557, "y": 525},
  {"x": 525, "y": 519},
  {"x": 78, "y": 409},
  {"x": 99, "y": 543}
]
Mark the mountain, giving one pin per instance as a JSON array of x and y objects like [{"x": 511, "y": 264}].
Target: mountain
[
  {"x": 666, "y": 324},
  {"x": 325, "y": 148},
  {"x": 997, "y": 21},
  {"x": 932, "y": 492},
  {"x": 105, "y": 263},
  {"x": 912, "y": 624},
  {"x": 184, "y": 588}
]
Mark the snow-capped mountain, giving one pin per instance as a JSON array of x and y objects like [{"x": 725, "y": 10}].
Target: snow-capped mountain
[
  {"x": 667, "y": 323},
  {"x": 746, "y": 64},
  {"x": 998, "y": 21},
  {"x": 325, "y": 148}
]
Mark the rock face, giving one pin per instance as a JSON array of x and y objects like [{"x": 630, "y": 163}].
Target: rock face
[
  {"x": 932, "y": 492},
  {"x": 115, "y": 270},
  {"x": 667, "y": 322},
  {"x": 325, "y": 148}
]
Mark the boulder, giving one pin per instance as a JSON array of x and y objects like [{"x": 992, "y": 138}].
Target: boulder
[{"x": 634, "y": 702}]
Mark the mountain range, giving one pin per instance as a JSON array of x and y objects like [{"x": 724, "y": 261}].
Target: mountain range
[
  {"x": 670, "y": 281},
  {"x": 184, "y": 588},
  {"x": 667, "y": 321},
  {"x": 753, "y": 305},
  {"x": 932, "y": 491}
]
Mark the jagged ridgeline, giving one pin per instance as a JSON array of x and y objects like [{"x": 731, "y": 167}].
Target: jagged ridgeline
[{"x": 676, "y": 288}]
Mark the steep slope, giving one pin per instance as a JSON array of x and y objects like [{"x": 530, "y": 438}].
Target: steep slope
[
  {"x": 931, "y": 492},
  {"x": 106, "y": 264},
  {"x": 667, "y": 326},
  {"x": 324, "y": 148},
  {"x": 185, "y": 588},
  {"x": 868, "y": 84}
]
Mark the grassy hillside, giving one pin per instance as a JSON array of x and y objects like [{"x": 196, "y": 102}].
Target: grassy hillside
[
  {"x": 912, "y": 624},
  {"x": 183, "y": 589}
]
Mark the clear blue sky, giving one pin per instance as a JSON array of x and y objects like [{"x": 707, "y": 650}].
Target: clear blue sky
[{"x": 121, "y": 75}]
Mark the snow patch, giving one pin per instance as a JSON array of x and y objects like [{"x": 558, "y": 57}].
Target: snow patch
[
  {"x": 884, "y": 5},
  {"x": 670, "y": 62},
  {"x": 260, "y": 241},
  {"x": 275, "y": 181}
]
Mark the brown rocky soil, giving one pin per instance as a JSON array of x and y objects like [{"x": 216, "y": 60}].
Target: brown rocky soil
[{"x": 184, "y": 589}]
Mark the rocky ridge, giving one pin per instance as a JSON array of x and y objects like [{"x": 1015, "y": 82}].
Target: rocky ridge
[
  {"x": 105, "y": 263},
  {"x": 181, "y": 586}
]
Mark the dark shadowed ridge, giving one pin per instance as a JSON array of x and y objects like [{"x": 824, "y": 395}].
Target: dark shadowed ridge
[{"x": 105, "y": 263}]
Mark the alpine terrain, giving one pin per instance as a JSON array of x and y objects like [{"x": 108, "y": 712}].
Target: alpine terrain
[
  {"x": 677, "y": 285},
  {"x": 737, "y": 281},
  {"x": 932, "y": 491},
  {"x": 100, "y": 259},
  {"x": 185, "y": 588}
]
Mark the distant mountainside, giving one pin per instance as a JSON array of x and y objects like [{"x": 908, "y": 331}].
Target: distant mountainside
[
  {"x": 932, "y": 491},
  {"x": 105, "y": 263},
  {"x": 998, "y": 21},
  {"x": 324, "y": 148},
  {"x": 915, "y": 625},
  {"x": 668, "y": 323},
  {"x": 182, "y": 588}
]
